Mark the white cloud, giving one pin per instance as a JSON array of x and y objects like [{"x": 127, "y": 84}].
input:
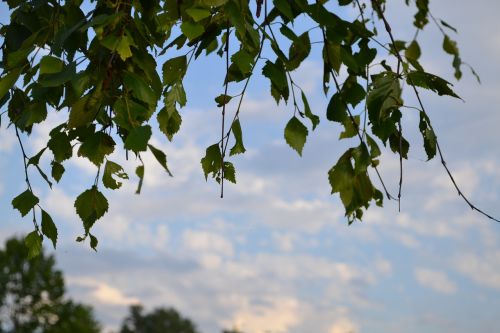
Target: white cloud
[
  {"x": 102, "y": 292},
  {"x": 383, "y": 266},
  {"x": 285, "y": 240},
  {"x": 7, "y": 140},
  {"x": 60, "y": 203},
  {"x": 274, "y": 315},
  {"x": 435, "y": 280},
  {"x": 203, "y": 241},
  {"x": 484, "y": 269},
  {"x": 344, "y": 325}
]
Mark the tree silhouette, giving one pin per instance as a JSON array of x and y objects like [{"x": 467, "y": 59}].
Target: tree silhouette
[
  {"x": 32, "y": 295},
  {"x": 160, "y": 320}
]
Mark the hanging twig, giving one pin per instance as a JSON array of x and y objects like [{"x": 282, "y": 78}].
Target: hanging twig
[
  {"x": 439, "y": 150},
  {"x": 226, "y": 83}
]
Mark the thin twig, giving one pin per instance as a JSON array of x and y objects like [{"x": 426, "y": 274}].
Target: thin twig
[
  {"x": 440, "y": 152},
  {"x": 226, "y": 83},
  {"x": 25, "y": 158},
  {"x": 242, "y": 94},
  {"x": 400, "y": 129},
  {"x": 362, "y": 12}
]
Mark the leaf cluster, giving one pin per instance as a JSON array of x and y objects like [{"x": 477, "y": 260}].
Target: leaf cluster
[{"x": 98, "y": 63}]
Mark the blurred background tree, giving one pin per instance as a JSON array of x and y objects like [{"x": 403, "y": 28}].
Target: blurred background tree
[
  {"x": 33, "y": 300},
  {"x": 32, "y": 295},
  {"x": 159, "y": 320}
]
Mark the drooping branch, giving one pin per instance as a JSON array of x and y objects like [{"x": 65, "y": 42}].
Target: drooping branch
[{"x": 421, "y": 104}]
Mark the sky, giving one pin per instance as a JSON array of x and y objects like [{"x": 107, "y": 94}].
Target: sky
[{"x": 276, "y": 254}]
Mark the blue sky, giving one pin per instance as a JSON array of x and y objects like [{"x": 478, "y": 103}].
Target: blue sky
[{"x": 276, "y": 254}]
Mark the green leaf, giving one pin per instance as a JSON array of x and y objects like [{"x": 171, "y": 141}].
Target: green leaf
[
  {"x": 383, "y": 103},
  {"x": 96, "y": 147},
  {"x": 138, "y": 138},
  {"x": 130, "y": 113},
  {"x": 169, "y": 123},
  {"x": 296, "y": 134},
  {"x": 50, "y": 65},
  {"x": 284, "y": 7},
  {"x": 336, "y": 109},
  {"x": 448, "y": 26},
  {"x": 192, "y": 30},
  {"x": 243, "y": 60},
  {"x": 374, "y": 149},
  {"x": 229, "y": 172},
  {"x": 139, "y": 171},
  {"x": 93, "y": 242},
  {"x": 59, "y": 78},
  {"x": 234, "y": 12},
  {"x": 25, "y": 202},
  {"x": 36, "y": 159},
  {"x": 450, "y": 46},
  {"x": 60, "y": 145},
  {"x": 49, "y": 229},
  {"x": 91, "y": 205},
  {"x": 44, "y": 176},
  {"x": 350, "y": 127},
  {"x": 412, "y": 54},
  {"x": 212, "y": 161},
  {"x": 119, "y": 44},
  {"x": 413, "y": 51},
  {"x": 421, "y": 16},
  {"x": 140, "y": 88},
  {"x": 8, "y": 81},
  {"x": 432, "y": 82},
  {"x": 238, "y": 147},
  {"x": 33, "y": 242},
  {"x": 430, "y": 142},
  {"x": 399, "y": 144},
  {"x": 113, "y": 169},
  {"x": 160, "y": 157},
  {"x": 123, "y": 48},
  {"x": 276, "y": 73},
  {"x": 83, "y": 111},
  {"x": 33, "y": 113},
  {"x": 299, "y": 51},
  {"x": 198, "y": 14},
  {"x": 352, "y": 92},
  {"x": 176, "y": 94},
  {"x": 222, "y": 100},
  {"x": 331, "y": 56},
  {"x": 174, "y": 70},
  {"x": 57, "y": 171},
  {"x": 213, "y": 3},
  {"x": 308, "y": 113}
]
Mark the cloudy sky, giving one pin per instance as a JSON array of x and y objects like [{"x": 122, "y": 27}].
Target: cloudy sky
[{"x": 276, "y": 254}]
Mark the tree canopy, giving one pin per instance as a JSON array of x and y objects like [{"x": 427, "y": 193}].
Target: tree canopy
[
  {"x": 159, "y": 320},
  {"x": 32, "y": 295},
  {"x": 115, "y": 69}
]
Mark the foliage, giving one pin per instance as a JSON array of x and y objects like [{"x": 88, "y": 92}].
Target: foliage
[
  {"x": 158, "y": 321},
  {"x": 97, "y": 63},
  {"x": 32, "y": 295}
]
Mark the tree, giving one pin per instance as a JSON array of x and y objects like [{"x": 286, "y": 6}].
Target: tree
[
  {"x": 97, "y": 62},
  {"x": 32, "y": 295},
  {"x": 159, "y": 320}
]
